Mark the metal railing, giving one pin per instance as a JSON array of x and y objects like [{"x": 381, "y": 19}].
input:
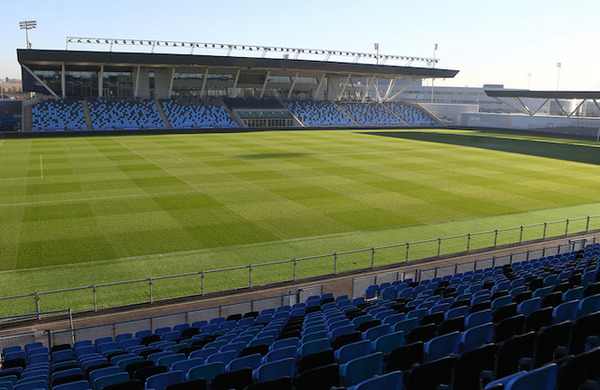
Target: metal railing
[
  {"x": 201, "y": 282},
  {"x": 22, "y": 338},
  {"x": 70, "y": 335},
  {"x": 361, "y": 283}
]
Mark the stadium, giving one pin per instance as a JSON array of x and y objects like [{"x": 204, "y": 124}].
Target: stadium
[{"x": 284, "y": 218}]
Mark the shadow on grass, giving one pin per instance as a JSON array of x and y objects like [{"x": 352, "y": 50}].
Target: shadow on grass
[{"x": 560, "y": 151}]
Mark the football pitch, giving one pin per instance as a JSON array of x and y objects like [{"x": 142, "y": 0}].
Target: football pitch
[{"x": 90, "y": 210}]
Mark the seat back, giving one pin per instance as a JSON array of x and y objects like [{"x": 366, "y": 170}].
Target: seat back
[
  {"x": 352, "y": 351},
  {"x": 362, "y": 368},
  {"x": 589, "y": 305},
  {"x": 160, "y": 381},
  {"x": 403, "y": 358},
  {"x": 478, "y": 318},
  {"x": 325, "y": 376},
  {"x": 543, "y": 378},
  {"x": 441, "y": 346},
  {"x": 186, "y": 365},
  {"x": 477, "y": 336},
  {"x": 206, "y": 371},
  {"x": 238, "y": 379},
  {"x": 430, "y": 375},
  {"x": 387, "y": 343},
  {"x": 392, "y": 380},
  {"x": 273, "y": 370},
  {"x": 111, "y": 379}
]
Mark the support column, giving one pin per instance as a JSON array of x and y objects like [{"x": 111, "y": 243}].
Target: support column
[
  {"x": 171, "y": 82},
  {"x": 101, "y": 81},
  {"x": 63, "y": 82}
]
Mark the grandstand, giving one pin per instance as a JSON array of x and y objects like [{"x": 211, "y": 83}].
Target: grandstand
[
  {"x": 99, "y": 91},
  {"x": 509, "y": 323},
  {"x": 190, "y": 113}
]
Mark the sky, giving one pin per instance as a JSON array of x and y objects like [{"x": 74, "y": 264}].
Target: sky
[{"x": 517, "y": 43}]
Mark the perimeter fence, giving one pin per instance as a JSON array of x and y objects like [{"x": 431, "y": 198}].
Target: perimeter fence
[{"x": 93, "y": 297}]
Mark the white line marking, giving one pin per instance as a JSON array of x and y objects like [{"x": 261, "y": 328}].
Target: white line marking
[
  {"x": 97, "y": 198},
  {"x": 16, "y": 178},
  {"x": 1, "y": 142},
  {"x": 164, "y": 169},
  {"x": 177, "y": 163},
  {"x": 41, "y": 168}
]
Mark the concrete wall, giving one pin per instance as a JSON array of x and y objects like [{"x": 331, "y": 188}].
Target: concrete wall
[
  {"x": 162, "y": 80},
  {"x": 450, "y": 113},
  {"x": 501, "y": 121},
  {"x": 588, "y": 127}
]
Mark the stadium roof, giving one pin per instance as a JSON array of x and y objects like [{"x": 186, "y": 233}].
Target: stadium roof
[
  {"x": 547, "y": 96},
  {"x": 92, "y": 58},
  {"x": 525, "y": 93}
]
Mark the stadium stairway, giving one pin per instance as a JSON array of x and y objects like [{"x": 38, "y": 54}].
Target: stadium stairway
[
  {"x": 234, "y": 116},
  {"x": 346, "y": 113},
  {"x": 395, "y": 115},
  {"x": 86, "y": 115},
  {"x": 27, "y": 117},
  {"x": 161, "y": 111}
]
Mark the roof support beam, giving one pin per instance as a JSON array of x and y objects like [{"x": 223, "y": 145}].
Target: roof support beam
[
  {"x": 577, "y": 108},
  {"x": 403, "y": 89},
  {"x": 320, "y": 86},
  {"x": 366, "y": 94},
  {"x": 540, "y": 107},
  {"x": 262, "y": 92},
  {"x": 204, "y": 82},
  {"x": 235, "y": 82},
  {"x": 523, "y": 106},
  {"x": 136, "y": 87},
  {"x": 40, "y": 81},
  {"x": 596, "y": 103},
  {"x": 389, "y": 89},
  {"x": 293, "y": 85},
  {"x": 561, "y": 107},
  {"x": 344, "y": 86},
  {"x": 376, "y": 89}
]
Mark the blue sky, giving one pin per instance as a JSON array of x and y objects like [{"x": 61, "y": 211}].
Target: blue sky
[{"x": 489, "y": 42}]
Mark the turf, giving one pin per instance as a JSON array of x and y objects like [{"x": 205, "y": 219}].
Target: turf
[{"x": 91, "y": 210}]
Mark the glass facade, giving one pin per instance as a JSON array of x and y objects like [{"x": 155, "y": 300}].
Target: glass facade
[
  {"x": 84, "y": 83},
  {"x": 51, "y": 78},
  {"x": 81, "y": 84},
  {"x": 187, "y": 84},
  {"x": 117, "y": 84}
]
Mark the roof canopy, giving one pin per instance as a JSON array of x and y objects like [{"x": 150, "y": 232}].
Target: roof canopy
[{"x": 32, "y": 58}]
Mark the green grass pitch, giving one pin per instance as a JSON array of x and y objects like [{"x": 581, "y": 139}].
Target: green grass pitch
[{"x": 90, "y": 210}]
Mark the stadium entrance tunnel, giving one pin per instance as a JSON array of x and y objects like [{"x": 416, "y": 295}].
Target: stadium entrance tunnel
[{"x": 566, "y": 152}]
